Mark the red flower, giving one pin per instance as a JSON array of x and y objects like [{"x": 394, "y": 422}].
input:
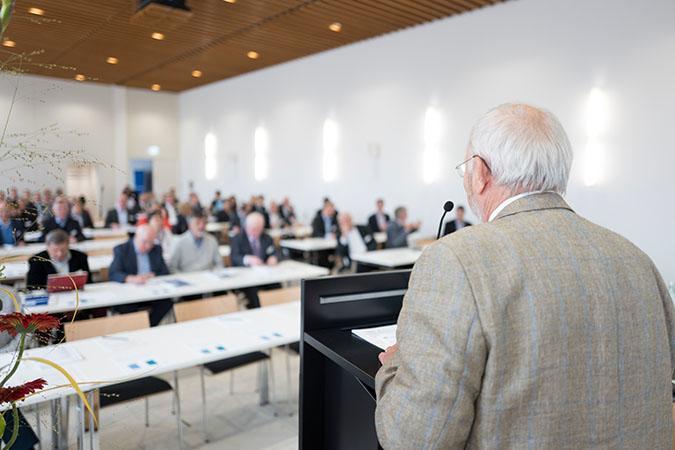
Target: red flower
[
  {"x": 16, "y": 393},
  {"x": 15, "y": 323}
]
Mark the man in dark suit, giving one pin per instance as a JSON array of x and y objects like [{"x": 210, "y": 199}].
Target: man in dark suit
[
  {"x": 136, "y": 261},
  {"x": 458, "y": 223},
  {"x": 57, "y": 259},
  {"x": 81, "y": 215},
  {"x": 121, "y": 215},
  {"x": 252, "y": 247},
  {"x": 11, "y": 230},
  {"x": 61, "y": 219},
  {"x": 399, "y": 229},
  {"x": 324, "y": 224},
  {"x": 379, "y": 221}
]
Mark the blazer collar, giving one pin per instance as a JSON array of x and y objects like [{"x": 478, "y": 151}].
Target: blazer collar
[{"x": 534, "y": 202}]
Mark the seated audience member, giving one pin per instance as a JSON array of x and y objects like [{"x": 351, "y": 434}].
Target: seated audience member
[
  {"x": 324, "y": 224},
  {"x": 159, "y": 222},
  {"x": 29, "y": 212},
  {"x": 349, "y": 242},
  {"x": 399, "y": 229},
  {"x": 458, "y": 223},
  {"x": 275, "y": 217},
  {"x": 120, "y": 215},
  {"x": 195, "y": 204},
  {"x": 217, "y": 204},
  {"x": 196, "y": 249},
  {"x": 184, "y": 210},
  {"x": 57, "y": 259},
  {"x": 40, "y": 206},
  {"x": 81, "y": 215},
  {"x": 176, "y": 218},
  {"x": 252, "y": 247},
  {"x": 61, "y": 219},
  {"x": 379, "y": 221},
  {"x": 136, "y": 261},
  {"x": 287, "y": 211},
  {"x": 11, "y": 230}
]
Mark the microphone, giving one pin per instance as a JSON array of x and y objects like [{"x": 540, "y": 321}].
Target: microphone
[{"x": 447, "y": 207}]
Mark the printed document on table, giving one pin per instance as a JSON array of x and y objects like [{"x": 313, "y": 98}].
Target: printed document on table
[{"x": 381, "y": 337}]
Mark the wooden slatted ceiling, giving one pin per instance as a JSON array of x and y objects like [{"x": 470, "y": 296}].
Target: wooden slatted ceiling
[{"x": 76, "y": 36}]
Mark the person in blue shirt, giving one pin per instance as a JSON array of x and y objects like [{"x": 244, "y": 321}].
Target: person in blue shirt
[
  {"x": 11, "y": 230},
  {"x": 136, "y": 261}
]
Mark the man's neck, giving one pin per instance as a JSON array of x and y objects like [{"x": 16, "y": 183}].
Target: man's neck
[{"x": 496, "y": 198}]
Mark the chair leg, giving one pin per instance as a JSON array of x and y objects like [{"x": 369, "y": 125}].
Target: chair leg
[
  {"x": 38, "y": 427},
  {"x": 178, "y": 418},
  {"x": 147, "y": 412},
  {"x": 289, "y": 386},
  {"x": 204, "y": 425},
  {"x": 80, "y": 425},
  {"x": 94, "y": 399},
  {"x": 264, "y": 384},
  {"x": 232, "y": 382}
]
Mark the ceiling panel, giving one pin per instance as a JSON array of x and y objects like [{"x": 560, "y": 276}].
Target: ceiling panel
[{"x": 76, "y": 36}]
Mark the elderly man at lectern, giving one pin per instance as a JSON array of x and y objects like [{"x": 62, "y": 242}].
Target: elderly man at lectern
[{"x": 536, "y": 329}]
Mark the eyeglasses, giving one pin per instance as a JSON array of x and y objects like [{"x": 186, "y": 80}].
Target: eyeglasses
[{"x": 461, "y": 167}]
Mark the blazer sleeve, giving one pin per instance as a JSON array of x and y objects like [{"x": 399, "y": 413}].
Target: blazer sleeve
[
  {"x": 397, "y": 236},
  {"x": 117, "y": 271},
  {"x": 269, "y": 247},
  {"x": 84, "y": 265},
  {"x": 157, "y": 261},
  {"x": 317, "y": 227},
  {"x": 110, "y": 218},
  {"x": 78, "y": 231},
  {"x": 36, "y": 277},
  {"x": 426, "y": 392},
  {"x": 237, "y": 251}
]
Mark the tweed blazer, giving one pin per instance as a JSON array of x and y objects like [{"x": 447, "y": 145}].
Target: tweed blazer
[{"x": 537, "y": 330}]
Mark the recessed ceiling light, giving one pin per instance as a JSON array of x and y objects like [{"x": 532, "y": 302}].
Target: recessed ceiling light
[
  {"x": 36, "y": 11},
  {"x": 197, "y": 73},
  {"x": 155, "y": 87},
  {"x": 157, "y": 36},
  {"x": 112, "y": 60},
  {"x": 80, "y": 77},
  {"x": 8, "y": 43},
  {"x": 335, "y": 26},
  {"x": 230, "y": 1},
  {"x": 253, "y": 55}
]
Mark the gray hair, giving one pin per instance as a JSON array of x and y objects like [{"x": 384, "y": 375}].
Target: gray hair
[
  {"x": 526, "y": 148},
  {"x": 57, "y": 237}
]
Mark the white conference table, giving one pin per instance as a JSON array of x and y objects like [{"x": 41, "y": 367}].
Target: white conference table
[
  {"x": 296, "y": 231},
  {"x": 84, "y": 246},
  {"x": 389, "y": 258},
  {"x": 17, "y": 270},
  {"x": 89, "y": 233},
  {"x": 309, "y": 244},
  {"x": 100, "y": 295},
  {"x": 126, "y": 356}
]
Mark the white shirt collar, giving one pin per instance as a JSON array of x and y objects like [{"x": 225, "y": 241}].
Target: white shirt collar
[{"x": 510, "y": 200}]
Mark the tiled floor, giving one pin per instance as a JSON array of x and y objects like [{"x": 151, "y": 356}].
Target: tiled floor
[{"x": 234, "y": 421}]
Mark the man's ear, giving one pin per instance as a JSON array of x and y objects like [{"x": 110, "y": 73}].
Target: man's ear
[{"x": 481, "y": 176}]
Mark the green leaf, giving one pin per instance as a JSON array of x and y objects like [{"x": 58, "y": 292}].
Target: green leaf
[
  {"x": 3, "y": 424},
  {"x": 6, "y": 14}
]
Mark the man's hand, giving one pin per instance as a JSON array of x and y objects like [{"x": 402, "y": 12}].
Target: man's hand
[
  {"x": 139, "y": 279},
  {"x": 272, "y": 261},
  {"x": 387, "y": 354},
  {"x": 252, "y": 261}
]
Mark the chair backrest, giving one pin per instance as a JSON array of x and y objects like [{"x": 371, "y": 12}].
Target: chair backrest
[
  {"x": 83, "y": 329},
  {"x": 198, "y": 309},
  {"x": 279, "y": 296}
]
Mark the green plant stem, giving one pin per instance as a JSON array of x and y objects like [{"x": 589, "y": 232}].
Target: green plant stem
[
  {"x": 15, "y": 427},
  {"x": 22, "y": 343}
]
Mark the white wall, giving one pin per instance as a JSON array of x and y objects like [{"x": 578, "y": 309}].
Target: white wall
[
  {"x": 109, "y": 123},
  {"x": 549, "y": 53}
]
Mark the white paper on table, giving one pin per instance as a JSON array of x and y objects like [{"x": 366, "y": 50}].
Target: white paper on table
[
  {"x": 60, "y": 354},
  {"x": 381, "y": 337}
]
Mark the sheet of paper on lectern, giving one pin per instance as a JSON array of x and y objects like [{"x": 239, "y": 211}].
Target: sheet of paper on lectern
[{"x": 381, "y": 337}]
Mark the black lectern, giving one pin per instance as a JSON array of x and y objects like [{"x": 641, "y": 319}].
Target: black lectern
[{"x": 337, "y": 369}]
